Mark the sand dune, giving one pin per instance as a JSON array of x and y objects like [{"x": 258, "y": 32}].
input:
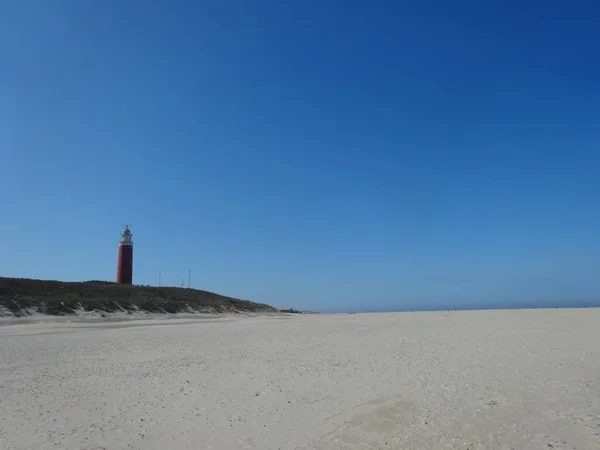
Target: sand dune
[{"x": 462, "y": 380}]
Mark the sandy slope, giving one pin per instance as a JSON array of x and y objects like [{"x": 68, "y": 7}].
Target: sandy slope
[{"x": 464, "y": 380}]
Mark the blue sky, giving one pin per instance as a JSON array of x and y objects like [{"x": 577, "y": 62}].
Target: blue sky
[{"x": 319, "y": 154}]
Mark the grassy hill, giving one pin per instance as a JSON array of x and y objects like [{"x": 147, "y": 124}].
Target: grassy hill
[{"x": 22, "y": 296}]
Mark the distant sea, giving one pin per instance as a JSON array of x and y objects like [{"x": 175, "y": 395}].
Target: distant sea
[{"x": 581, "y": 303}]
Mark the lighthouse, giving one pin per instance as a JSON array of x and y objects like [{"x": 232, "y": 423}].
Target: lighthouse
[{"x": 125, "y": 262}]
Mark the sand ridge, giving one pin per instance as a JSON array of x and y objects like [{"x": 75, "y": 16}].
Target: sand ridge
[{"x": 524, "y": 379}]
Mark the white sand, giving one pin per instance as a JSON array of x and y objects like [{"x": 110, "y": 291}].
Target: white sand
[{"x": 462, "y": 380}]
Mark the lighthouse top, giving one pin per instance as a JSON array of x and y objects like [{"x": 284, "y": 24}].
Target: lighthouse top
[{"x": 126, "y": 237}]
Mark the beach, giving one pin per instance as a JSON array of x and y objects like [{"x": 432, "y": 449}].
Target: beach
[{"x": 509, "y": 379}]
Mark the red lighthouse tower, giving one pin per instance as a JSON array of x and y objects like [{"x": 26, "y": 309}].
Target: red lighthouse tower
[{"x": 125, "y": 262}]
